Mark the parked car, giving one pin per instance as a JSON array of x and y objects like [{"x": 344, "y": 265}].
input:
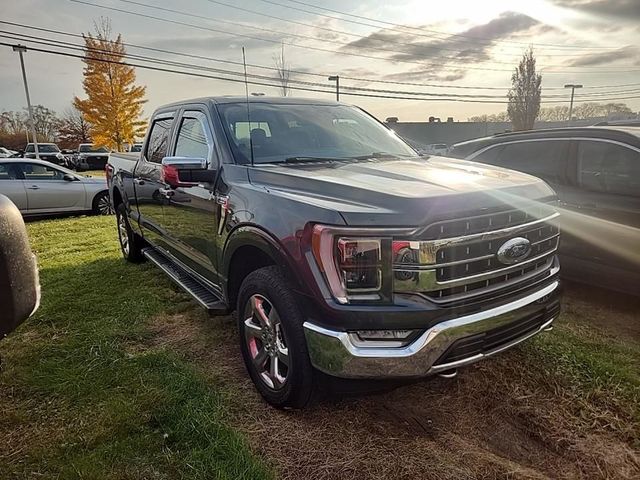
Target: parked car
[
  {"x": 91, "y": 157},
  {"x": 135, "y": 148},
  {"x": 42, "y": 188},
  {"x": 48, "y": 152},
  {"x": 6, "y": 153},
  {"x": 19, "y": 283},
  {"x": 596, "y": 173},
  {"x": 341, "y": 249}
]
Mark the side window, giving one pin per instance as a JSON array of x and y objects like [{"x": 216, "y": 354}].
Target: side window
[
  {"x": 488, "y": 156},
  {"x": 5, "y": 174},
  {"x": 193, "y": 136},
  {"x": 545, "y": 159},
  {"x": 609, "y": 168},
  {"x": 37, "y": 172},
  {"x": 158, "y": 143}
]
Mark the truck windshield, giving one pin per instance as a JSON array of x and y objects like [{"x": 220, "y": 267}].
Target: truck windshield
[
  {"x": 281, "y": 132},
  {"x": 92, "y": 149},
  {"x": 42, "y": 148}
]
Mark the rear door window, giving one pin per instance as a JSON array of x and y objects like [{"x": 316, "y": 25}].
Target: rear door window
[
  {"x": 158, "y": 143},
  {"x": 546, "y": 159},
  {"x": 609, "y": 168}
]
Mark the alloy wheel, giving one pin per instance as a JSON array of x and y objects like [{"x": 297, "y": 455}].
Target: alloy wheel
[
  {"x": 265, "y": 341},
  {"x": 104, "y": 205},
  {"x": 123, "y": 234}
]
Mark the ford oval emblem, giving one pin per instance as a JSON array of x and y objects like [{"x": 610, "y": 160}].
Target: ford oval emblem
[{"x": 514, "y": 250}]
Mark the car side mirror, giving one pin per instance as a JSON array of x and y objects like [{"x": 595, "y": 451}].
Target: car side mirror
[
  {"x": 19, "y": 282},
  {"x": 69, "y": 178},
  {"x": 186, "y": 171}
]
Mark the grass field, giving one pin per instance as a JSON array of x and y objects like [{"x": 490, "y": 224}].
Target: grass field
[{"x": 120, "y": 376}]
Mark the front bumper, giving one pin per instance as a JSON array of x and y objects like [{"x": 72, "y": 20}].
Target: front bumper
[{"x": 449, "y": 344}]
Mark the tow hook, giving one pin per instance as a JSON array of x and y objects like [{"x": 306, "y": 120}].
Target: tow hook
[{"x": 449, "y": 373}]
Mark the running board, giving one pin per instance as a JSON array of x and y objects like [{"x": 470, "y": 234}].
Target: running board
[{"x": 201, "y": 293}]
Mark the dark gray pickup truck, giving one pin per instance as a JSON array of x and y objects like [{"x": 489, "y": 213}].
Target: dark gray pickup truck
[{"x": 343, "y": 251}]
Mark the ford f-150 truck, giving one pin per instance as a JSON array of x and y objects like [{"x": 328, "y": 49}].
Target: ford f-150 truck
[{"x": 343, "y": 252}]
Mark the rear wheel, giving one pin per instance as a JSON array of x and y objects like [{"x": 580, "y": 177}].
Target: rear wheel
[
  {"x": 102, "y": 204},
  {"x": 272, "y": 339},
  {"x": 130, "y": 242}
]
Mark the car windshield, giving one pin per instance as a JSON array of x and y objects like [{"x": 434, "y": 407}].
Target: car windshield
[
  {"x": 136, "y": 148},
  {"x": 92, "y": 149},
  {"x": 43, "y": 148},
  {"x": 285, "y": 132}
]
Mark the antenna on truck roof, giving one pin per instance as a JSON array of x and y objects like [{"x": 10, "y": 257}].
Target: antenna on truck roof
[{"x": 246, "y": 92}]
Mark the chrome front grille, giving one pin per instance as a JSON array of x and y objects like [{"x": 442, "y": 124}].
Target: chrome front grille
[{"x": 465, "y": 267}]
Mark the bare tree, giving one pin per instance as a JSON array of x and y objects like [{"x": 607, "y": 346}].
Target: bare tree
[
  {"x": 73, "y": 129},
  {"x": 525, "y": 92},
  {"x": 284, "y": 71}
]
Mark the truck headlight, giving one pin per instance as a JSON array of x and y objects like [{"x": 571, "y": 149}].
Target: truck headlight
[{"x": 356, "y": 266}]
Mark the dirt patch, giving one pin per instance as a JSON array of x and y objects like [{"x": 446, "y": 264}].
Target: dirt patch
[{"x": 498, "y": 419}]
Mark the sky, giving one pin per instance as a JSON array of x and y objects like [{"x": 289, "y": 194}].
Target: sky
[{"x": 453, "y": 49}]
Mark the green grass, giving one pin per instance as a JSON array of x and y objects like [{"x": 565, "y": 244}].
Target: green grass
[
  {"x": 88, "y": 391},
  {"x": 83, "y": 394}
]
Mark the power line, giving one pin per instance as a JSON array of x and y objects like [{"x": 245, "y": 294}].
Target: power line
[
  {"x": 307, "y": 47},
  {"x": 253, "y": 82},
  {"x": 446, "y": 96},
  {"x": 416, "y": 29},
  {"x": 308, "y": 73}
]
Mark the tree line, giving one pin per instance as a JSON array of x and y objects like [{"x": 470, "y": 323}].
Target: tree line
[{"x": 560, "y": 113}]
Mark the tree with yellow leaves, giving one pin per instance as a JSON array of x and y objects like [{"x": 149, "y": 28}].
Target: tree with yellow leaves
[{"x": 114, "y": 102}]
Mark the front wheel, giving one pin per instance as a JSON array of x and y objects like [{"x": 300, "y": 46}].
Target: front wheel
[
  {"x": 272, "y": 339},
  {"x": 130, "y": 242}
]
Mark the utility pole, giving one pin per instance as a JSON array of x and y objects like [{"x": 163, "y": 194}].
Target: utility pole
[
  {"x": 336, "y": 78},
  {"x": 21, "y": 49},
  {"x": 573, "y": 87}
]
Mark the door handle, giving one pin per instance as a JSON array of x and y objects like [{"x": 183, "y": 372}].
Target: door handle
[
  {"x": 34, "y": 187},
  {"x": 138, "y": 181},
  {"x": 166, "y": 192}
]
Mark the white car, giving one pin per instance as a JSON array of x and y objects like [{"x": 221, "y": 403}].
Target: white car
[
  {"x": 6, "y": 153},
  {"x": 42, "y": 188}
]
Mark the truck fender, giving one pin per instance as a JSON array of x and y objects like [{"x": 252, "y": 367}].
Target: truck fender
[{"x": 254, "y": 236}]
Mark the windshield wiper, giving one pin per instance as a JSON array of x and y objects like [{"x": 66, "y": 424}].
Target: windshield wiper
[
  {"x": 314, "y": 159},
  {"x": 375, "y": 155}
]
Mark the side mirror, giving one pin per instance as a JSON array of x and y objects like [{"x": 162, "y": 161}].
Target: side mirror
[
  {"x": 186, "y": 171},
  {"x": 69, "y": 178},
  {"x": 19, "y": 283}
]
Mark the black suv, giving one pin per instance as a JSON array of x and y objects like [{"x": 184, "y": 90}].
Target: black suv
[{"x": 596, "y": 173}]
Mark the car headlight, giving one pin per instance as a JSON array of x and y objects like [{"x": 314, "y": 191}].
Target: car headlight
[{"x": 357, "y": 266}]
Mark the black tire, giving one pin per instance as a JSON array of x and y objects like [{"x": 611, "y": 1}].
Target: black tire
[
  {"x": 270, "y": 284},
  {"x": 132, "y": 249},
  {"x": 102, "y": 204}
]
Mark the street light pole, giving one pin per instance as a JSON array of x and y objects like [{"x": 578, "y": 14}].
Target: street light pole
[
  {"x": 21, "y": 49},
  {"x": 336, "y": 78},
  {"x": 573, "y": 87}
]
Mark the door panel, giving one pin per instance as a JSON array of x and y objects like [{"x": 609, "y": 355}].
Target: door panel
[
  {"x": 191, "y": 212},
  {"x": 148, "y": 184},
  {"x": 605, "y": 205},
  {"x": 47, "y": 191},
  {"x": 12, "y": 186}
]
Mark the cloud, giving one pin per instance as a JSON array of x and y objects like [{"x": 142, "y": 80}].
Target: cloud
[
  {"x": 623, "y": 9},
  {"x": 203, "y": 44},
  {"x": 630, "y": 52},
  {"x": 444, "y": 58}
]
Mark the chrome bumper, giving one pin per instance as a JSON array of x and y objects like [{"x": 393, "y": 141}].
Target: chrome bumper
[{"x": 336, "y": 353}]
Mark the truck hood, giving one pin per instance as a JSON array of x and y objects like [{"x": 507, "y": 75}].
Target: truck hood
[{"x": 401, "y": 192}]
